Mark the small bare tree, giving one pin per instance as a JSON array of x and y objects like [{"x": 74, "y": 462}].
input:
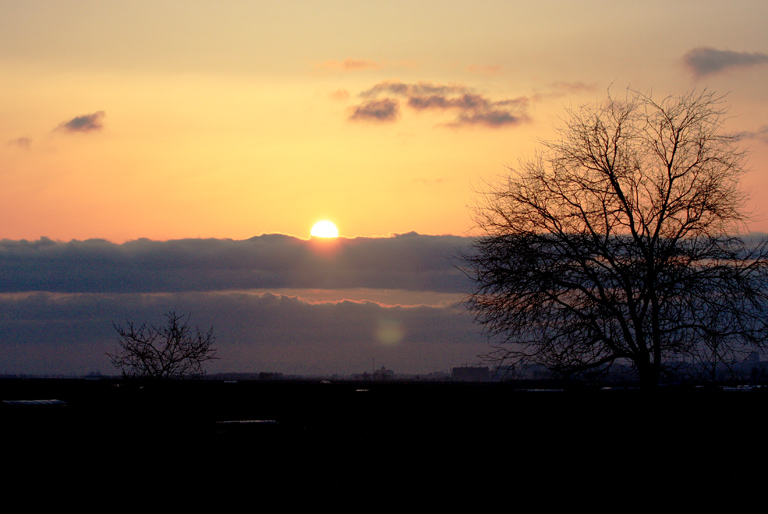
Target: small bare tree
[
  {"x": 620, "y": 243},
  {"x": 176, "y": 350}
]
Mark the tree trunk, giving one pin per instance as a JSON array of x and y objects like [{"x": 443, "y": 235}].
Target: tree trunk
[{"x": 649, "y": 374}]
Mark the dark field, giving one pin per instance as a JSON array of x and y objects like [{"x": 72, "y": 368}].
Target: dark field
[{"x": 206, "y": 440}]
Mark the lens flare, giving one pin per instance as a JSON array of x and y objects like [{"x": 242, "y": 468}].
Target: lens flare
[{"x": 389, "y": 331}]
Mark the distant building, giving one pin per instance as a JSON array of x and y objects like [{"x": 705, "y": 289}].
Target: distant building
[
  {"x": 378, "y": 374},
  {"x": 471, "y": 374},
  {"x": 383, "y": 374}
]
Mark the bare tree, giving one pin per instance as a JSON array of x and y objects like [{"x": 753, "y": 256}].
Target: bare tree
[
  {"x": 619, "y": 243},
  {"x": 176, "y": 350}
]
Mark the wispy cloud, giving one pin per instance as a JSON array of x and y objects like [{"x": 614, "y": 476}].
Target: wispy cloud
[
  {"x": 470, "y": 108},
  {"x": 705, "y": 61},
  {"x": 761, "y": 134},
  {"x": 340, "y": 95},
  {"x": 21, "y": 142},
  {"x": 85, "y": 123},
  {"x": 348, "y": 65},
  {"x": 560, "y": 89}
]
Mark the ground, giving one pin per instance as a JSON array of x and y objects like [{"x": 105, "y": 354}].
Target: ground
[{"x": 218, "y": 440}]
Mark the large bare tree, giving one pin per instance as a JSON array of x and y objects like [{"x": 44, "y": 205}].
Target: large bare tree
[
  {"x": 174, "y": 350},
  {"x": 620, "y": 243}
]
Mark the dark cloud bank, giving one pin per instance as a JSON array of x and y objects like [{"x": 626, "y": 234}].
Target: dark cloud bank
[
  {"x": 408, "y": 261},
  {"x": 59, "y": 301}
]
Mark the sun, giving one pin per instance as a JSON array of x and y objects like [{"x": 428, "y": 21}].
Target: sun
[{"x": 324, "y": 228}]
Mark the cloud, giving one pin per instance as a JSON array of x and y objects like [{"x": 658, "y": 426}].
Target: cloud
[
  {"x": 21, "y": 142},
  {"x": 84, "y": 123},
  {"x": 705, "y": 61},
  {"x": 409, "y": 261},
  {"x": 348, "y": 65},
  {"x": 384, "y": 110},
  {"x": 469, "y": 108}
]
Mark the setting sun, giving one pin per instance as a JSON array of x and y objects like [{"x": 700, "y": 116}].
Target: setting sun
[{"x": 324, "y": 229}]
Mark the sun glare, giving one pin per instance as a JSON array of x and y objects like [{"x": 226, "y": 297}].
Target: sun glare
[{"x": 324, "y": 229}]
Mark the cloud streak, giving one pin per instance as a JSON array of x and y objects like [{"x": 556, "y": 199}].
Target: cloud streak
[
  {"x": 560, "y": 89},
  {"x": 761, "y": 134},
  {"x": 704, "y": 61},
  {"x": 382, "y": 103},
  {"x": 85, "y": 123},
  {"x": 349, "y": 65}
]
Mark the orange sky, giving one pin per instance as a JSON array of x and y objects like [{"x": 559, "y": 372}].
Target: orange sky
[
  {"x": 171, "y": 120},
  {"x": 233, "y": 119}
]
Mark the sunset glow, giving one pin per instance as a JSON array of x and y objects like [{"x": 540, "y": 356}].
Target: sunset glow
[{"x": 171, "y": 155}]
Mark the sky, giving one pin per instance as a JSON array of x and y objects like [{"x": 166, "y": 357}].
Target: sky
[{"x": 173, "y": 155}]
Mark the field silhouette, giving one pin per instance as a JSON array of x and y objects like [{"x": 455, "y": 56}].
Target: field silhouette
[{"x": 276, "y": 438}]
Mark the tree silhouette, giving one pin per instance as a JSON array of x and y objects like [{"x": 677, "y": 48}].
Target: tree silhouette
[
  {"x": 176, "y": 350},
  {"x": 619, "y": 243}
]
